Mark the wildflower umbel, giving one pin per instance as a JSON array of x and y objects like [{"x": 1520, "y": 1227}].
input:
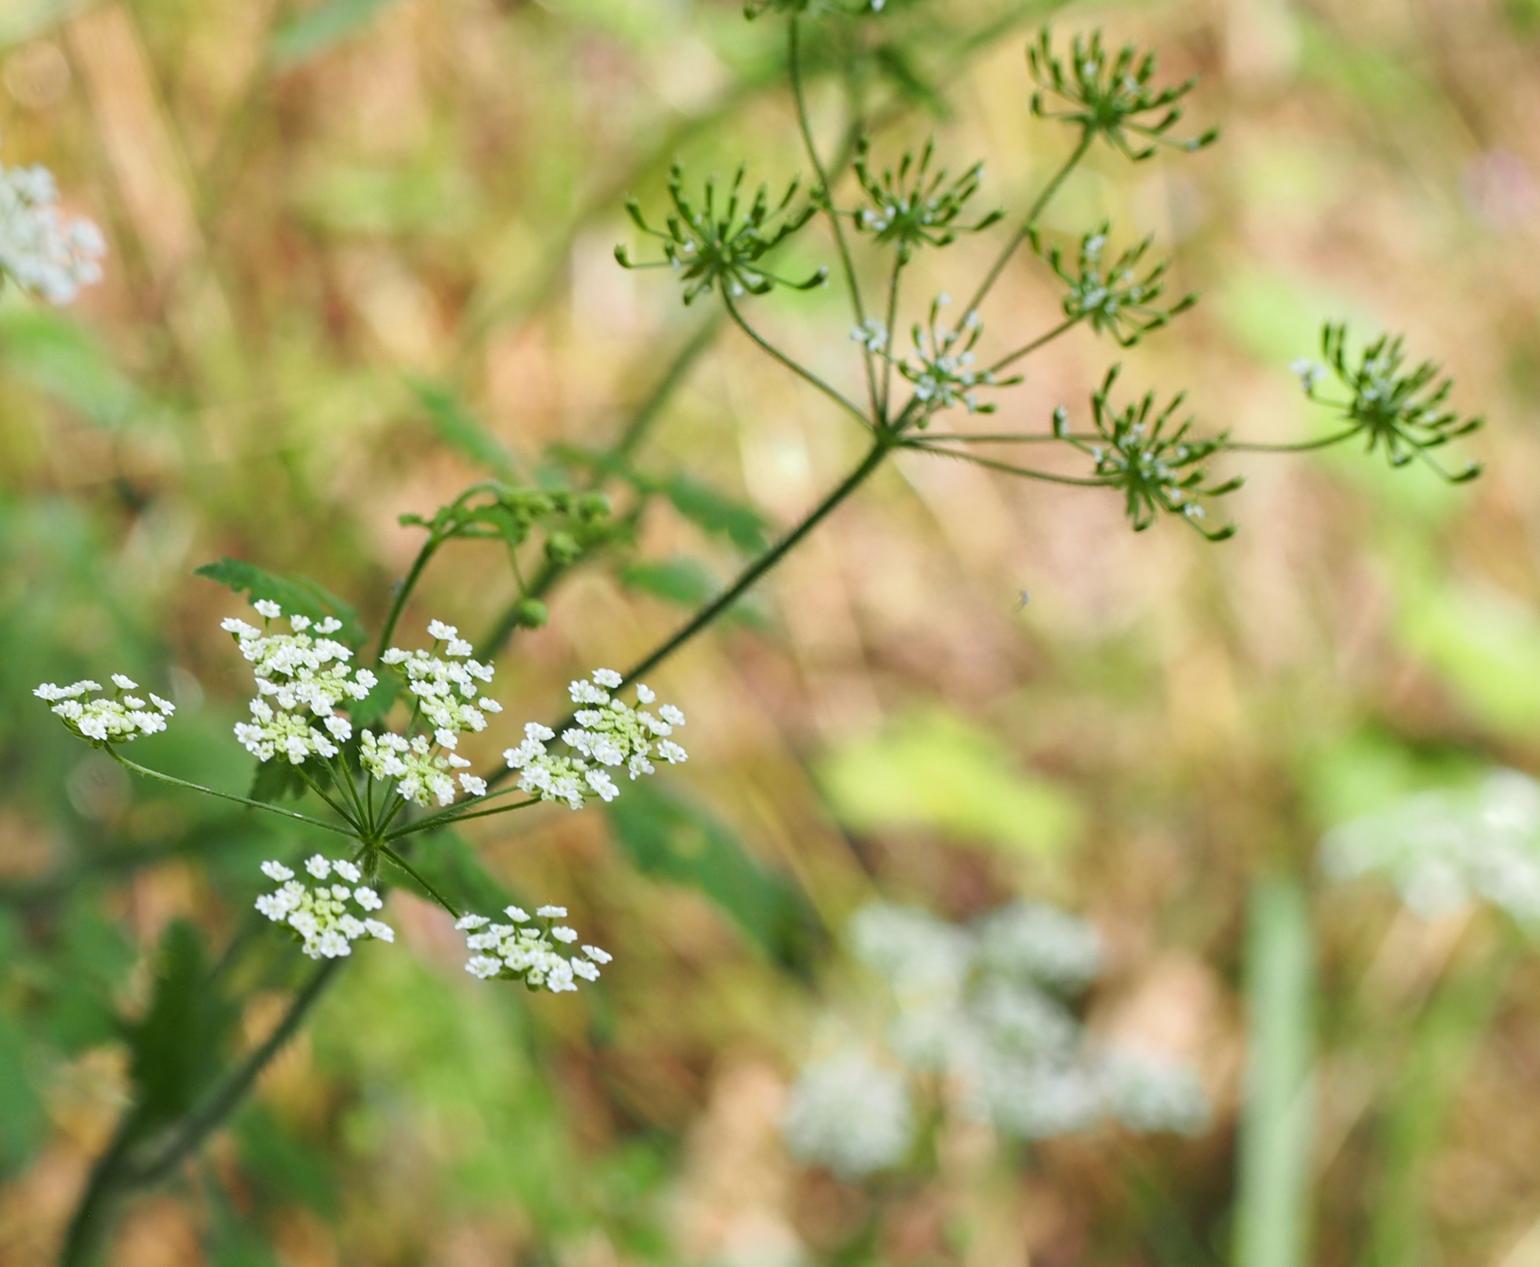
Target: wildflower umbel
[
  {"x": 1108, "y": 291},
  {"x": 445, "y": 685},
  {"x": 722, "y": 242},
  {"x": 322, "y": 914},
  {"x": 1111, "y": 95},
  {"x": 120, "y": 717},
  {"x": 609, "y": 735},
  {"x": 944, "y": 368},
  {"x": 1156, "y": 461},
  {"x": 43, "y": 250},
  {"x": 302, "y": 675},
  {"x": 534, "y": 949},
  {"x": 1398, "y": 410},
  {"x": 851, "y": 1113},
  {"x": 912, "y": 205}
]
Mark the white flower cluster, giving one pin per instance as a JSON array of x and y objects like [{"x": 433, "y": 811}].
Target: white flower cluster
[
  {"x": 850, "y": 1113},
  {"x": 529, "y": 949},
  {"x": 41, "y": 249},
  {"x": 446, "y": 693},
  {"x": 319, "y": 913},
  {"x": 985, "y": 1007},
  {"x": 119, "y": 718},
  {"x": 610, "y": 734},
  {"x": 302, "y": 676},
  {"x": 1444, "y": 850}
]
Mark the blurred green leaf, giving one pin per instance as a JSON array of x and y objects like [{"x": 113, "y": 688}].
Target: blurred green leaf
[
  {"x": 61, "y": 358},
  {"x": 685, "y": 583},
  {"x": 25, "y": 19},
  {"x": 936, "y": 771},
  {"x": 291, "y": 1169},
  {"x": 319, "y": 28},
  {"x": 667, "y": 837},
  {"x": 23, "y": 1121},
  {"x": 177, "y": 1047},
  {"x": 716, "y": 513},
  {"x": 457, "y": 427},
  {"x": 293, "y": 594},
  {"x": 894, "y": 64},
  {"x": 1272, "y": 1220}
]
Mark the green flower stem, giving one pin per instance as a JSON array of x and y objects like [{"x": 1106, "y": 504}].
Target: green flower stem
[
  {"x": 353, "y": 824},
  {"x": 449, "y": 817},
  {"x": 1008, "y": 467},
  {"x": 887, "y": 361},
  {"x": 1026, "y": 349},
  {"x": 1015, "y": 437},
  {"x": 1020, "y": 236},
  {"x": 826, "y": 195},
  {"x": 427, "y": 888},
  {"x": 291, "y": 815},
  {"x": 424, "y": 557},
  {"x": 1302, "y": 446},
  {"x": 800, "y": 371}
]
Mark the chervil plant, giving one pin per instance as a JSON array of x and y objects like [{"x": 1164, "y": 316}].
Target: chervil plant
[{"x": 375, "y": 744}]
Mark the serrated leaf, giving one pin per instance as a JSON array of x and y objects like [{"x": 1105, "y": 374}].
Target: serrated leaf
[
  {"x": 176, "y": 1048},
  {"x": 296, "y": 594},
  {"x": 456, "y": 426},
  {"x": 317, "y": 30},
  {"x": 716, "y": 513},
  {"x": 667, "y": 837}
]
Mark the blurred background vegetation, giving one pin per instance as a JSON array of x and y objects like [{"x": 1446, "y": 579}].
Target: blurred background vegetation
[{"x": 361, "y": 257}]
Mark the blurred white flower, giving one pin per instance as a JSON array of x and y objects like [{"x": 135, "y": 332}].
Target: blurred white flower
[
  {"x": 42, "y": 249},
  {"x": 1150, "y": 1093},
  {"x": 1444, "y": 850},
  {"x": 1038, "y": 942},
  {"x": 849, "y": 1113}
]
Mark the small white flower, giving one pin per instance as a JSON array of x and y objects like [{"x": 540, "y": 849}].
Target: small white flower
[
  {"x": 267, "y": 608},
  {"x": 318, "y": 866},
  {"x": 277, "y": 871},
  {"x": 41, "y": 249},
  {"x": 102, "y": 720},
  {"x": 527, "y": 952},
  {"x": 318, "y": 914}
]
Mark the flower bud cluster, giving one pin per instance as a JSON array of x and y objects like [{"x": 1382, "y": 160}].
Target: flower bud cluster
[
  {"x": 321, "y": 915},
  {"x": 530, "y": 949},
  {"x": 302, "y": 675},
  {"x": 119, "y": 718}
]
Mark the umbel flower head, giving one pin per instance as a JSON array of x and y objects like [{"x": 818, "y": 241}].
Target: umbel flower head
[
  {"x": 43, "y": 250},
  {"x": 321, "y": 914},
  {"x": 534, "y": 950},
  {"x": 944, "y": 367},
  {"x": 912, "y": 205},
  {"x": 99, "y": 719},
  {"x": 1108, "y": 291},
  {"x": 851, "y": 1113},
  {"x": 609, "y": 735},
  {"x": 445, "y": 684},
  {"x": 722, "y": 241},
  {"x": 1110, "y": 94},
  {"x": 302, "y": 675},
  {"x": 1154, "y": 460},
  {"x": 1399, "y": 410}
]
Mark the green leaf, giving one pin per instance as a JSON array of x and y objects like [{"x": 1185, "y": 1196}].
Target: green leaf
[
  {"x": 315, "y": 31},
  {"x": 685, "y": 583},
  {"x": 936, "y": 771},
  {"x": 457, "y": 427},
  {"x": 176, "y": 1048},
  {"x": 274, "y": 781},
  {"x": 59, "y": 357},
  {"x": 293, "y": 594},
  {"x": 667, "y": 837},
  {"x": 717, "y": 514},
  {"x": 23, "y": 1121},
  {"x": 1273, "y": 1214}
]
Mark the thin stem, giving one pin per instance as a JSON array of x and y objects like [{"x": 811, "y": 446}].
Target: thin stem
[
  {"x": 826, "y": 196},
  {"x": 448, "y": 817},
  {"x": 342, "y": 774},
  {"x": 89, "y": 1223},
  {"x": 223, "y": 1102},
  {"x": 426, "y": 887},
  {"x": 1013, "y": 437},
  {"x": 404, "y": 591},
  {"x": 1302, "y": 446},
  {"x": 887, "y": 361},
  {"x": 1008, "y": 467},
  {"x": 292, "y": 815},
  {"x": 1026, "y": 349},
  {"x": 339, "y": 810},
  {"x": 460, "y": 818},
  {"x": 1020, "y": 236},
  {"x": 807, "y": 375}
]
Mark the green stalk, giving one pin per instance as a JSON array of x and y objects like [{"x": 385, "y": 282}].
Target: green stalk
[
  {"x": 801, "y": 371},
  {"x": 290, "y": 814}
]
